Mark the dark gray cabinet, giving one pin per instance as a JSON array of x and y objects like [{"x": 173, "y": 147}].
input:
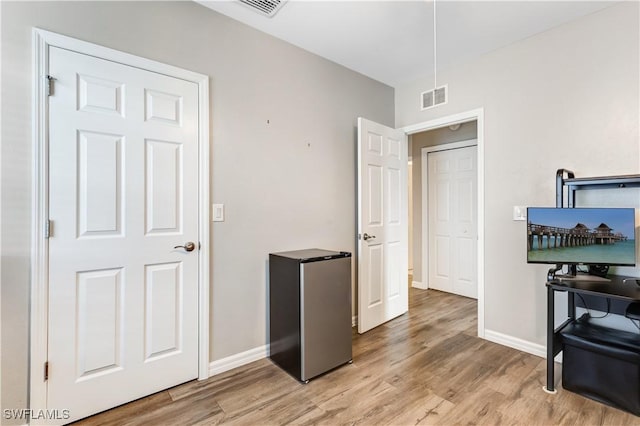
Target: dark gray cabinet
[{"x": 310, "y": 311}]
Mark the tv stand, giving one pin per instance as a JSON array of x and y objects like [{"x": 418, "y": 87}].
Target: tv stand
[
  {"x": 583, "y": 338},
  {"x": 581, "y": 277}
]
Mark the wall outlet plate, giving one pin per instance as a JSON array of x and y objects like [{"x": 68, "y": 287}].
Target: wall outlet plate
[{"x": 519, "y": 213}]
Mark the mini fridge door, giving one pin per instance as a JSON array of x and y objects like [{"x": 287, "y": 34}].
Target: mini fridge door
[{"x": 325, "y": 317}]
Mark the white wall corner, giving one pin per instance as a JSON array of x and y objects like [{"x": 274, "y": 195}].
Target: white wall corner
[
  {"x": 238, "y": 360},
  {"x": 418, "y": 284},
  {"x": 516, "y": 343}
]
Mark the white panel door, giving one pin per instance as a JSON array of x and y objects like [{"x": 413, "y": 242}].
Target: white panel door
[
  {"x": 382, "y": 224},
  {"x": 452, "y": 220},
  {"x": 123, "y": 176}
]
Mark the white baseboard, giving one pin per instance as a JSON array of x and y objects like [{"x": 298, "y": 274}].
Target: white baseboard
[
  {"x": 246, "y": 357},
  {"x": 255, "y": 354},
  {"x": 238, "y": 360},
  {"x": 418, "y": 284},
  {"x": 516, "y": 343}
]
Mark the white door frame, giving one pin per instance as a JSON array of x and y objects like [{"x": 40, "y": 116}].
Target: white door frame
[
  {"x": 478, "y": 115},
  {"x": 42, "y": 40},
  {"x": 424, "y": 193}
]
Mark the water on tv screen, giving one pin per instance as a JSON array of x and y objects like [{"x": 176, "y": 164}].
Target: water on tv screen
[{"x": 581, "y": 236}]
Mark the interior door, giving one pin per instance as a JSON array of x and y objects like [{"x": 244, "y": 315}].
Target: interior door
[
  {"x": 452, "y": 219},
  {"x": 382, "y": 224},
  {"x": 123, "y": 176}
]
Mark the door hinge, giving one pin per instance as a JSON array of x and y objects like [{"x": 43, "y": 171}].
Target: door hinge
[
  {"x": 49, "y": 85},
  {"x": 48, "y": 229},
  {"x": 46, "y": 371}
]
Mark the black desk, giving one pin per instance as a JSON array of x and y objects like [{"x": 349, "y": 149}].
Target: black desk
[{"x": 619, "y": 287}]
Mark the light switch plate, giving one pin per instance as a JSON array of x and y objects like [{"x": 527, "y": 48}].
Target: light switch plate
[
  {"x": 217, "y": 212},
  {"x": 519, "y": 213}
]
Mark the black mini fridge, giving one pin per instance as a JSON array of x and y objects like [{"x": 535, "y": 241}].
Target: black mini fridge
[{"x": 310, "y": 311}]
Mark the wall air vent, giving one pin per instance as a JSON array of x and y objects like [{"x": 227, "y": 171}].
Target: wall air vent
[
  {"x": 265, "y": 7},
  {"x": 433, "y": 98}
]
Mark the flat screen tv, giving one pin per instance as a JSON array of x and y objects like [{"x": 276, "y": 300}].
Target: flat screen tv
[{"x": 581, "y": 236}]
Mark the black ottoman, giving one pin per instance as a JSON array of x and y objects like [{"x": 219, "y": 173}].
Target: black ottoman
[{"x": 602, "y": 364}]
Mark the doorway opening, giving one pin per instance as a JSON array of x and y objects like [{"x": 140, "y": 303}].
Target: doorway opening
[{"x": 444, "y": 134}]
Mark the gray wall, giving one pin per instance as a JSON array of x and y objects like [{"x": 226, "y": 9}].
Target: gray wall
[
  {"x": 565, "y": 98},
  {"x": 421, "y": 140},
  {"x": 285, "y": 185}
]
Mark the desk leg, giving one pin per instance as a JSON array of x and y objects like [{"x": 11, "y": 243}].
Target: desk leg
[
  {"x": 571, "y": 308},
  {"x": 550, "y": 339}
]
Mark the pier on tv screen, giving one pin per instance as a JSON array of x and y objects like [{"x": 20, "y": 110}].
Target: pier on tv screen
[{"x": 581, "y": 236}]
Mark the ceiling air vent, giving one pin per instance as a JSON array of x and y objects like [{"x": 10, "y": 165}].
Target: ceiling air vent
[
  {"x": 435, "y": 97},
  {"x": 265, "y": 7}
]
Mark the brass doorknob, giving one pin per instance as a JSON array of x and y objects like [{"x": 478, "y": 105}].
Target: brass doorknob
[{"x": 188, "y": 246}]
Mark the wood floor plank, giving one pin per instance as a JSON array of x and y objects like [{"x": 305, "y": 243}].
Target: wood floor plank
[
  {"x": 228, "y": 381},
  {"x": 349, "y": 407},
  {"x": 426, "y": 409},
  {"x": 479, "y": 405},
  {"x": 197, "y": 409},
  {"x": 258, "y": 393},
  {"x": 531, "y": 402},
  {"x": 336, "y": 382},
  {"x": 426, "y": 367},
  {"x": 508, "y": 377},
  {"x": 283, "y": 410},
  {"x": 120, "y": 415}
]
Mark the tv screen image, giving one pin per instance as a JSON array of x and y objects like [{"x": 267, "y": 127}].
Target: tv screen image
[{"x": 578, "y": 236}]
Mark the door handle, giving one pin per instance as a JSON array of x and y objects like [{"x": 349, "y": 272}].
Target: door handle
[
  {"x": 188, "y": 246},
  {"x": 367, "y": 237}
]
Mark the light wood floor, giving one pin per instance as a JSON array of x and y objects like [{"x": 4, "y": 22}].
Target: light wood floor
[{"x": 425, "y": 367}]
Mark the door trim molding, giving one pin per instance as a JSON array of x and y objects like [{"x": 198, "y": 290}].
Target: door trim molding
[
  {"x": 448, "y": 146},
  {"x": 42, "y": 40},
  {"x": 478, "y": 115},
  {"x": 424, "y": 194}
]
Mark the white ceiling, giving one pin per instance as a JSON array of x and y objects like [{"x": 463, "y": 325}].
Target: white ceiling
[{"x": 392, "y": 41}]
